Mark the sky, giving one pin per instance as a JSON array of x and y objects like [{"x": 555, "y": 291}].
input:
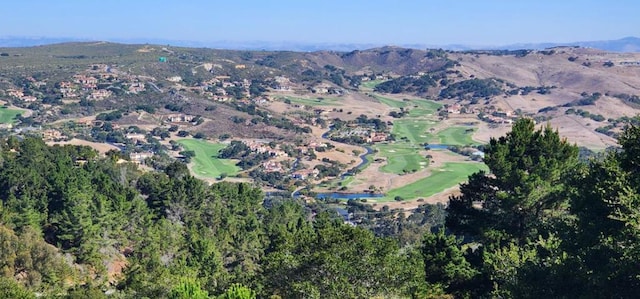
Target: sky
[{"x": 392, "y": 22}]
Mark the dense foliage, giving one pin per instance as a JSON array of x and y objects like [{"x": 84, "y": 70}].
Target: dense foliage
[
  {"x": 76, "y": 224},
  {"x": 407, "y": 84},
  {"x": 542, "y": 223},
  {"x": 472, "y": 88}
]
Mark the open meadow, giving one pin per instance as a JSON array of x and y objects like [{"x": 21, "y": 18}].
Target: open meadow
[{"x": 205, "y": 163}]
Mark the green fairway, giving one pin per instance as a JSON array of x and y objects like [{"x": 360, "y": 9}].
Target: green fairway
[
  {"x": 423, "y": 108},
  {"x": 414, "y": 130},
  {"x": 454, "y": 136},
  {"x": 390, "y": 102},
  {"x": 401, "y": 158},
  {"x": 314, "y": 102},
  {"x": 205, "y": 162},
  {"x": 370, "y": 84},
  {"x": 8, "y": 116},
  {"x": 441, "y": 179},
  {"x": 416, "y": 107}
]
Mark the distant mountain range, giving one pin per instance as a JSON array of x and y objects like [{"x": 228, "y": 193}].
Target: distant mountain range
[{"x": 627, "y": 44}]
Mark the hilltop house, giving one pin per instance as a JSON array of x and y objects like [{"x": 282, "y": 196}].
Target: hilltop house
[{"x": 180, "y": 118}]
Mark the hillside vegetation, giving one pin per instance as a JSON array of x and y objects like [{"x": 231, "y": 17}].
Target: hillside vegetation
[{"x": 74, "y": 224}]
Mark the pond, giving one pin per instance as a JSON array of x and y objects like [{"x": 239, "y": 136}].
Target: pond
[{"x": 437, "y": 146}]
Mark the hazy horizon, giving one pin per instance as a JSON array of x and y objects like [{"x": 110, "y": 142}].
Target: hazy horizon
[{"x": 477, "y": 23}]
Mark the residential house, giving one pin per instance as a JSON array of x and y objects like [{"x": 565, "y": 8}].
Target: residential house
[
  {"x": 136, "y": 137},
  {"x": 305, "y": 173},
  {"x": 180, "y": 118},
  {"x": 100, "y": 94},
  {"x": 136, "y": 87},
  {"x": 454, "y": 108},
  {"x": 82, "y": 79},
  {"x": 272, "y": 166},
  {"x": 139, "y": 158},
  {"x": 377, "y": 137},
  {"x": 51, "y": 135},
  {"x": 15, "y": 93},
  {"x": 29, "y": 98}
]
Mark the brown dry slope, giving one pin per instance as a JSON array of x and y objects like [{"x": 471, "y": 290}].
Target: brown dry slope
[
  {"x": 571, "y": 73},
  {"x": 538, "y": 69}
]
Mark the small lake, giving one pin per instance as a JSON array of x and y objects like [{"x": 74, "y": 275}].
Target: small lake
[{"x": 339, "y": 195}]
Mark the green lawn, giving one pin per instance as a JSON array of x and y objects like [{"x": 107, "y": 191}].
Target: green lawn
[
  {"x": 390, "y": 102},
  {"x": 205, "y": 163},
  {"x": 423, "y": 108},
  {"x": 315, "y": 102},
  {"x": 401, "y": 158},
  {"x": 416, "y": 107},
  {"x": 441, "y": 179},
  {"x": 415, "y": 130},
  {"x": 454, "y": 136},
  {"x": 8, "y": 116}
]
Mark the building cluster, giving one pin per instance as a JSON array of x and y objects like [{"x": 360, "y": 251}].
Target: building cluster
[
  {"x": 260, "y": 147},
  {"x": 487, "y": 113},
  {"x": 95, "y": 83}
]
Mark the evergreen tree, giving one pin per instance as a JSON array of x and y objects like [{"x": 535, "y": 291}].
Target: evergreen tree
[{"x": 523, "y": 195}]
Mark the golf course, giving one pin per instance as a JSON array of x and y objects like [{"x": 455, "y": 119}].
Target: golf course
[
  {"x": 205, "y": 162},
  {"x": 440, "y": 179}
]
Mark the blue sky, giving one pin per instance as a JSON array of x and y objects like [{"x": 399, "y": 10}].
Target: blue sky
[{"x": 470, "y": 22}]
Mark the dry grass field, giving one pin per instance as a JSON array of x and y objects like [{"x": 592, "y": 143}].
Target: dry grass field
[{"x": 100, "y": 147}]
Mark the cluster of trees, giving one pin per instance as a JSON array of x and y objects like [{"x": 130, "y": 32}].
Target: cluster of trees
[
  {"x": 516, "y": 53},
  {"x": 528, "y": 89},
  {"x": 265, "y": 117},
  {"x": 585, "y": 114},
  {"x": 472, "y": 88},
  {"x": 109, "y": 116},
  {"x": 68, "y": 218},
  {"x": 627, "y": 98},
  {"x": 407, "y": 84},
  {"x": 585, "y": 100},
  {"x": 340, "y": 126},
  {"x": 239, "y": 150},
  {"x": 543, "y": 224}
]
